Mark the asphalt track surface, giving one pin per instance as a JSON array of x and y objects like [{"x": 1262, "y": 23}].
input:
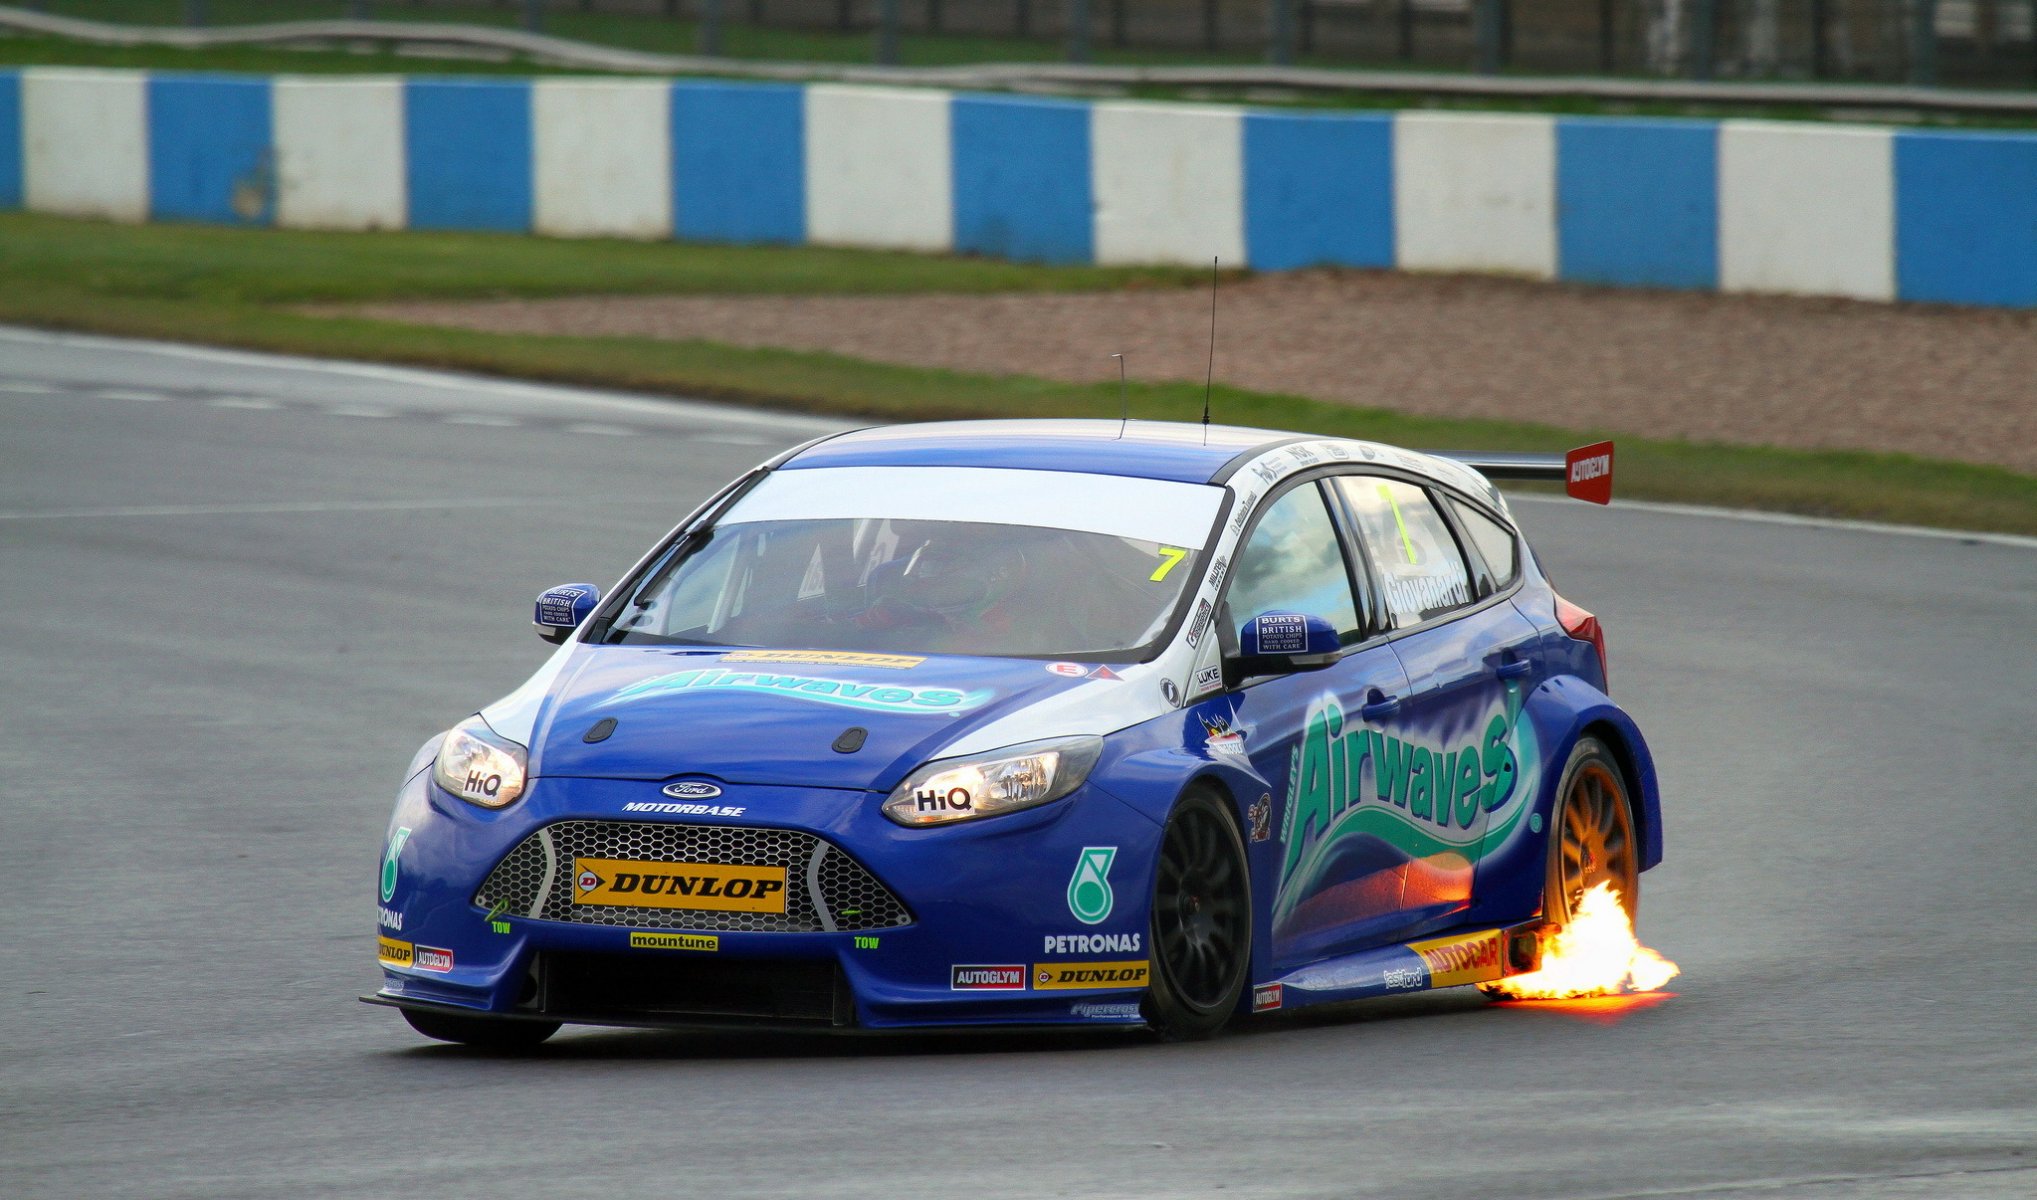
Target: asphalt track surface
[{"x": 236, "y": 594}]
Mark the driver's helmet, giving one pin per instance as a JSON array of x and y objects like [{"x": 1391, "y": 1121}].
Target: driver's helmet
[{"x": 955, "y": 577}]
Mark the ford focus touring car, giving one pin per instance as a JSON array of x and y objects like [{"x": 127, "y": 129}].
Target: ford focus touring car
[{"x": 1029, "y": 723}]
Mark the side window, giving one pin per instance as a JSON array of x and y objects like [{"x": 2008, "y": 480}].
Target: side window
[
  {"x": 1294, "y": 562},
  {"x": 1420, "y": 568},
  {"x": 1496, "y": 543}
]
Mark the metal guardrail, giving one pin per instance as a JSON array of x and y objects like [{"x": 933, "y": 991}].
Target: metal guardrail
[{"x": 554, "y": 51}]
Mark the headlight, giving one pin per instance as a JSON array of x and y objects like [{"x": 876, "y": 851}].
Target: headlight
[
  {"x": 479, "y": 765},
  {"x": 1001, "y": 781}
]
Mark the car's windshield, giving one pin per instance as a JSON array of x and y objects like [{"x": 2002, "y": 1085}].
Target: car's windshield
[{"x": 928, "y": 571}]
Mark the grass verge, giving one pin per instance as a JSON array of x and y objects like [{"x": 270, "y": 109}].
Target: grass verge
[{"x": 230, "y": 287}]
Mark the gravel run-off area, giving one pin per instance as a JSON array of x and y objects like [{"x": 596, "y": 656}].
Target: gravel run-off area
[{"x": 1939, "y": 382}]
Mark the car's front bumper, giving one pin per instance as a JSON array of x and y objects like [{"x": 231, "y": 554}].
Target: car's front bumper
[{"x": 976, "y": 899}]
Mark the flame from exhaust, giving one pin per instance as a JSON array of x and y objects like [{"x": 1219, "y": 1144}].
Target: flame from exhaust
[{"x": 1595, "y": 955}]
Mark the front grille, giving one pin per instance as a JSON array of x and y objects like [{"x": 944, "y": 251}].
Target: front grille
[
  {"x": 659, "y": 987},
  {"x": 826, "y": 891}
]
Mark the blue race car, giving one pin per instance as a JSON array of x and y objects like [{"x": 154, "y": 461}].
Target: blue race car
[{"x": 1035, "y": 723}]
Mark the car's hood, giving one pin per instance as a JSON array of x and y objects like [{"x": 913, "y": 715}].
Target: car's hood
[{"x": 744, "y": 718}]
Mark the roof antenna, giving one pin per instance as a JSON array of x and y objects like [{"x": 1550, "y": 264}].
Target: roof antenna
[
  {"x": 1124, "y": 400},
  {"x": 1210, "y": 377}
]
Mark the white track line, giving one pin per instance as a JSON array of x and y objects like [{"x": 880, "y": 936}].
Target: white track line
[
  {"x": 788, "y": 423},
  {"x": 791, "y": 423},
  {"x": 2019, "y": 541},
  {"x": 234, "y": 510}
]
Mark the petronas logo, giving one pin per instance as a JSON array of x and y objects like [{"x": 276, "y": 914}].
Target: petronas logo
[
  {"x": 1089, "y": 894},
  {"x": 389, "y": 863}
]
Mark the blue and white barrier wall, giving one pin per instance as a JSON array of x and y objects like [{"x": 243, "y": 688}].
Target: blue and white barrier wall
[{"x": 1818, "y": 209}]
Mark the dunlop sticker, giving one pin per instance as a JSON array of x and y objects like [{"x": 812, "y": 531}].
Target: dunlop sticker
[
  {"x": 1470, "y": 958},
  {"x": 1065, "y": 976},
  {"x": 717, "y": 887},
  {"x": 394, "y": 953},
  {"x": 675, "y": 941}
]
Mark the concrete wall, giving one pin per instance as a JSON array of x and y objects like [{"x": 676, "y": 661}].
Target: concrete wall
[
  {"x": 1168, "y": 183},
  {"x": 602, "y": 164},
  {"x": 340, "y": 154},
  {"x": 1753, "y": 206},
  {"x": 1475, "y": 193},
  {"x": 878, "y": 168},
  {"x": 84, "y": 143}
]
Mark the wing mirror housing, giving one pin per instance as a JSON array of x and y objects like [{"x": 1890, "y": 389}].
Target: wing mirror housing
[
  {"x": 1283, "y": 643},
  {"x": 560, "y": 610}
]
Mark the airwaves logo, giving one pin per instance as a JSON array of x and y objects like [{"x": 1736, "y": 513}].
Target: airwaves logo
[
  {"x": 1346, "y": 781},
  {"x": 1089, "y": 894}
]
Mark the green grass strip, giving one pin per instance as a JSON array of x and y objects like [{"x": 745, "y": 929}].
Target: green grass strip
[{"x": 226, "y": 287}]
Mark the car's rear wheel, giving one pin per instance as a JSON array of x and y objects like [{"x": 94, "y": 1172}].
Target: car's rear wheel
[
  {"x": 1202, "y": 921},
  {"x": 1592, "y": 840},
  {"x": 490, "y": 1033}
]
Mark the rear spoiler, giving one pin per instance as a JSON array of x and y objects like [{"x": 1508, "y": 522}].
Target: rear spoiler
[{"x": 1586, "y": 472}]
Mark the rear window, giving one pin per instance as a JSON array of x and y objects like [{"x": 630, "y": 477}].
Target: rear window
[
  {"x": 1421, "y": 571},
  {"x": 1496, "y": 544}
]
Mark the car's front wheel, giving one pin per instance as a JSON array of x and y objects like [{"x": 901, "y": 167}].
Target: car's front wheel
[
  {"x": 1202, "y": 921},
  {"x": 488, "y": 1033}
]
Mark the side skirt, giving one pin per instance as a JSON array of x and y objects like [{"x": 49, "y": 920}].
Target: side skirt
[{"x": 1473, "y": 956}]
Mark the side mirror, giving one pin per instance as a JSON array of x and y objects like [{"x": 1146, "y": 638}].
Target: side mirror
[
  {"x": 1282, "y": 643},
  {"x": 560, "y": 610}
]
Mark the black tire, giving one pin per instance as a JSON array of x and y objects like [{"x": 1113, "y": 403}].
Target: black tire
[
  {"x": 1201, "y": 928},
  {"x": 488, "y": 1033},
  {"x": 1591, "y": 838}
]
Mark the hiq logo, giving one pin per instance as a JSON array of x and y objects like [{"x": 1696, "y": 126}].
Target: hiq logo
[
  {"x": 1089, "y": 894},
  {"x": 953, "y": 800}
]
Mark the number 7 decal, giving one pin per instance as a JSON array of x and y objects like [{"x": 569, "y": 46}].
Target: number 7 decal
[{"x": 1172, "y": 556}]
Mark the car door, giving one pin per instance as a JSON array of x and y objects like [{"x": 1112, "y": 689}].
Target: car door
[
  {"x": 1465, "y": 651},
  {"x": 1336, "y": 886}
]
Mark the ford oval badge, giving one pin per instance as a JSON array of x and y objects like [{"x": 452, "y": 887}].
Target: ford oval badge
[{"x": 692, "y": 789}]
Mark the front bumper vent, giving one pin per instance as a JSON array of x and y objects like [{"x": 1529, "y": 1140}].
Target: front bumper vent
[
  {"x": 654, "y": 989},
  {"x": 826, "y": 891}
]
